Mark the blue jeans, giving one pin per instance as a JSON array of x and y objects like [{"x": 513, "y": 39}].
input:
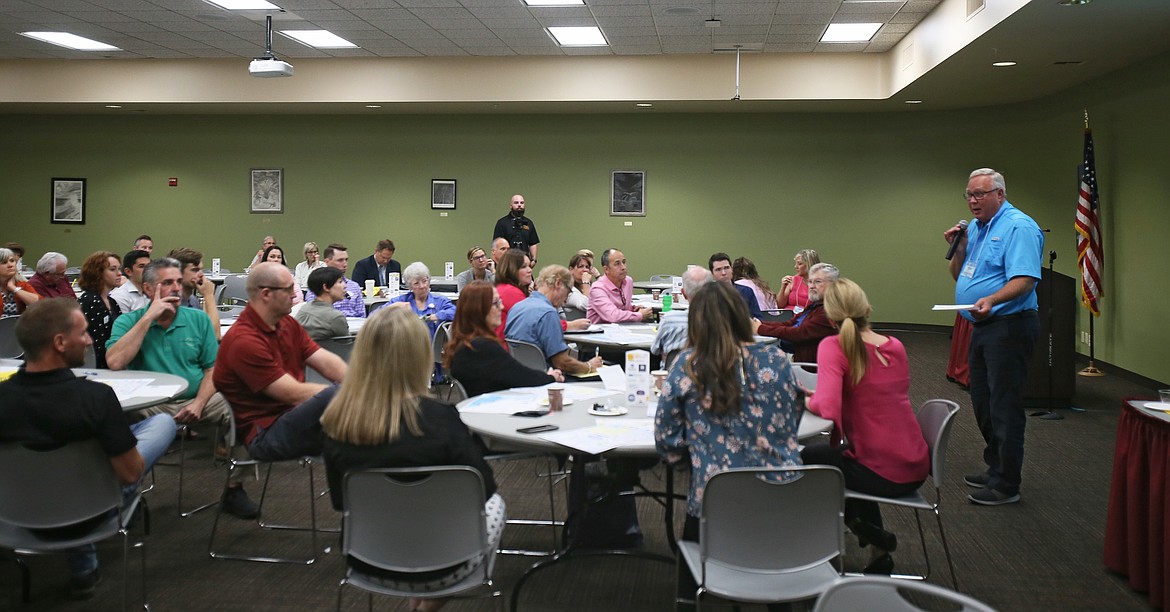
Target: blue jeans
[
  {"x": 1000, "y": 351},
  {"x": 154, "y": 435}
]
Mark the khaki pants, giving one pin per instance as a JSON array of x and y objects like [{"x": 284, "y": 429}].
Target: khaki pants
[{"x": 215, "y": 411}]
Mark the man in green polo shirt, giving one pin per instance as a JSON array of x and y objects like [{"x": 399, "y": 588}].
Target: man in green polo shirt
[{"x": 179, "y": 340}]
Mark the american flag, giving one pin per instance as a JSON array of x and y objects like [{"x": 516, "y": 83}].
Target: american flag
[{"x": 1090, "y": 254}]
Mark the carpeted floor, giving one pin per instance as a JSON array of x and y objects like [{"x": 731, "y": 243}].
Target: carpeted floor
[{"x": 1041, "y": 554}]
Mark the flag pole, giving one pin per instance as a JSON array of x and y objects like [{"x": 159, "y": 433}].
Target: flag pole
[{"x": 1091, "y": 370}]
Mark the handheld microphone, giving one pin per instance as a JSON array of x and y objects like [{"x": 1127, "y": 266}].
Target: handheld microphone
[{"x": 955, "y": 243}]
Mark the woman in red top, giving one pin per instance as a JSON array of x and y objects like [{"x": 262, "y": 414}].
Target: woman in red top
[
  {"x": 513, "y": 281},
  {"x": 863, "y": 385},
  {"x": 793, "y": 294}
]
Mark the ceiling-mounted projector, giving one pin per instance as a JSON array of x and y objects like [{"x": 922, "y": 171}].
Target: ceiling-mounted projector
[{"x": 269, "y": 67}]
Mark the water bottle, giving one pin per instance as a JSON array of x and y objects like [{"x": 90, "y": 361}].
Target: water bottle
[{"x": 667, "y": 300}]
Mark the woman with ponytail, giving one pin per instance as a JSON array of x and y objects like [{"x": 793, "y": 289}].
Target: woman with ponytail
[{"x": 863, "y": 385}]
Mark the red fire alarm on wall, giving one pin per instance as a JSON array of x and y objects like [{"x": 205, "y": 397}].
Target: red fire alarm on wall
[{"x": 173, "y": 181}]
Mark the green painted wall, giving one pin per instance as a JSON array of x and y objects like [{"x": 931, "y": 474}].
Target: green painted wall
[{"x": 871, "y": 192}]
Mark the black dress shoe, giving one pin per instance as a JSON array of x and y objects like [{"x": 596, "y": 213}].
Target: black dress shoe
[{"x": 882, "y": 565}]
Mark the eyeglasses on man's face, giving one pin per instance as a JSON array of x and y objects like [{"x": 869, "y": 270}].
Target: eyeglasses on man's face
[
  {"x": 288, "y": 288},
  {"x": 977, "y": 194}
]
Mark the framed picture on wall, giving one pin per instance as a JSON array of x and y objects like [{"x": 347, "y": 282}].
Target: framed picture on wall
[
  {"x": 268, "y": 190},
  {"x": 628, "y": 194},
  {"x": 67, "y": 201},
  {"x": 443, "y": 193}
]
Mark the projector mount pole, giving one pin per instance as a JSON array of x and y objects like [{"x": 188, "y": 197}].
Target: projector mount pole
[
  {"x": 737, "y": 48},
  {"x": 268, "y": 37}
]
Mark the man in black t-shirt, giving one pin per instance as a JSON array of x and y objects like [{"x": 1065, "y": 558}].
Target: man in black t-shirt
[
  {"x": 45, "y": 403},
  {"x": 517, "y": 229}
]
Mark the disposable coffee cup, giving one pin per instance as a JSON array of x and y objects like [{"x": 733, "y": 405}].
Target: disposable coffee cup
[
  {"x": 656, "y": 294},
  {"x": 676, "y": 297},
  {"x": 659, "y": 378},
  {"x": 1164, "y": 396},
  {"x": 556, "y": 398},
  {"x": 369, "y": 287}
]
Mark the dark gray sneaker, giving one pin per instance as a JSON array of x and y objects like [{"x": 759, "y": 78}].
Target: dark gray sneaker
[
  {"x": 990, "y": 497},
  {"x": 237, "y": 503},
  {"x": 979, "y": 481}
]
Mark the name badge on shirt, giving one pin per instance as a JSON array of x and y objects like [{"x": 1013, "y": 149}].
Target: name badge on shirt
[
  {"x": 797, "y": 309},
  {"x": 969, "y": 270}
]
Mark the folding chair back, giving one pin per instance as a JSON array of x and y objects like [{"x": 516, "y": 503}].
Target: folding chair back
[
  {"x": 234, "y": 289},
  {"x": 881, "y": 593},
  {"x": 935, "y": 418},
  {"x": 806, "y": 374},
  {"x": 442, "y": 334},
  {"x": 45, "y": 489},
  {"x": 382, "y": 524},
  {"x": 528, "y": 354},
  {"x": 9, "y": 347},
  {"x": 752, "y": 518}
]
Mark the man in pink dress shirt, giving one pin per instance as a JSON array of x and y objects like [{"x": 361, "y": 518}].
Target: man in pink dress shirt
[{"x": 611, "y": 297}]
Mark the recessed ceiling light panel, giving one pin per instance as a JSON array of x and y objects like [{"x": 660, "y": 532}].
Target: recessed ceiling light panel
[
  {"x": 70, "y": 41},
  {"x": 320, "y": 39},
  {"x": 246, "y": 5},
  {"x": 554, "y": 2},
  {"x": 1003, "y": 64},
  {"x": 850, "y": 32},
  {"x": 577, "y": 36}
]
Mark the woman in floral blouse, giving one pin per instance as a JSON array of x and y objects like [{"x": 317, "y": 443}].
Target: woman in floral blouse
[{"x": 727, "y": 402}]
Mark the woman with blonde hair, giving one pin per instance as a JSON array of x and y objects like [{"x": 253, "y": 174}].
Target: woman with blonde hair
[
  {"x": 382, "y": 417},
  {"x": 863, "y": 386},
  {"x": 312, "y": 262},
  {"x": 581, "y": 267},
  {"x": 15, "y": 292},
  {"x": 793, "y": 294}
]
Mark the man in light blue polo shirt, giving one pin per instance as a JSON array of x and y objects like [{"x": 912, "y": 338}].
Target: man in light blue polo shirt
[
  {"x": 996, "y": 267},
  {"x": 535, "y": 319}
]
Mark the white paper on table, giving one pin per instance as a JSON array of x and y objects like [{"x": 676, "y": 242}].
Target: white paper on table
[
  {"x": 613, "y": 376},
  {"x": 492, "y": 403},
  {"x": 157, "y": 391},
  {"x": 953, "y": 307},
  {"x": 125, "y": 388},
  {"x": 585, "y": 439},
  {"x": 606, "y": 435}
]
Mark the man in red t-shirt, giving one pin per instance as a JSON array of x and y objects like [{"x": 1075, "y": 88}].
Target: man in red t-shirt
[{"x": 261, "y": 371}]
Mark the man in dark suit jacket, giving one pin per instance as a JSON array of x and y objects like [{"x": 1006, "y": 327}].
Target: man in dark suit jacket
[
  {"x": 378, "y": 266},
  {"x": 801, "y": 334}
]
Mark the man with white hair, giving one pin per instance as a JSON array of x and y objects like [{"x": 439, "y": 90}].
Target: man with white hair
[
  {"x": 672, "y": 327},
  {"x": 801, "y": 334},
  {"x": 996, "y": 267},
  {"x": 50, "y": 280}
]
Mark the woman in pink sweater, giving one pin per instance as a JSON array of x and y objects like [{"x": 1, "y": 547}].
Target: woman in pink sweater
[{"x": 863, "y": 384}]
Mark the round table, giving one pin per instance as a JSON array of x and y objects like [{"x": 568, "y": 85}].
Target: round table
[
  {"x": 499, "y": 430},
  {"x": 143, "y": 398}
]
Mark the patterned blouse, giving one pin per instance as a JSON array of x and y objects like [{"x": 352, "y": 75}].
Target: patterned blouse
[
  {"x": 101, "y": 321},
  {"x": 762, "y": 433}
]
